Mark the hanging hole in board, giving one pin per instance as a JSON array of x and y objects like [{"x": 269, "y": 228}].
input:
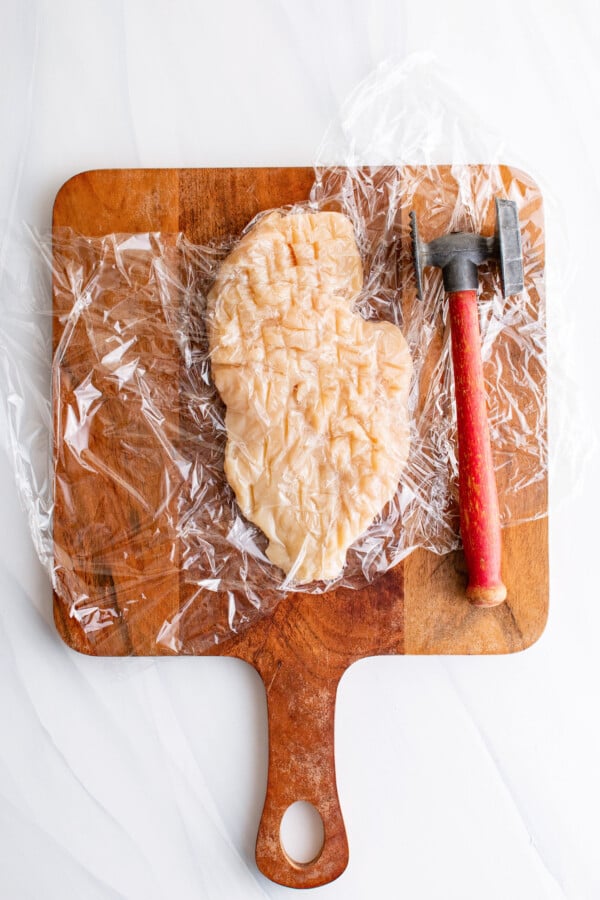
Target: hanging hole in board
[{"x": 301, "y": 833}]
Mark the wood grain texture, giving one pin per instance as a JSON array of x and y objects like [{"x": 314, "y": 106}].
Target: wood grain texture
[{"x": 304, "y": 645}]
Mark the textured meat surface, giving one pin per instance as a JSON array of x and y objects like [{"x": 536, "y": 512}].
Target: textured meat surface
[{"x": 317, "y": 397}]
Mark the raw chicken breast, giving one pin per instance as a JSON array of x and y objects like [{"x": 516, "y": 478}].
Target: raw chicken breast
[{"x": 317, "y": 397}]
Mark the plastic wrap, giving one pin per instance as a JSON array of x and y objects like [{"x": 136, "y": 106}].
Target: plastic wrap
[{"x": 127, "y": 496}]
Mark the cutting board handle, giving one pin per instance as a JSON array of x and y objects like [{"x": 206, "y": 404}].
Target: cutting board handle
[{"x": 301, "y": 709}]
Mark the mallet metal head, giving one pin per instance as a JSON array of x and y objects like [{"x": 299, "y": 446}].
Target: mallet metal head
[{"x": 460, "y": 254}]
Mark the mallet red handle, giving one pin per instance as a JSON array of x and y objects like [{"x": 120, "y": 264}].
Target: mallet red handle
[{"x": 479, "y": 512}]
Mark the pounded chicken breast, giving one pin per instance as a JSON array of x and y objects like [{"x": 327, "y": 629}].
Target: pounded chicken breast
[{"x": 317, "y": 397}]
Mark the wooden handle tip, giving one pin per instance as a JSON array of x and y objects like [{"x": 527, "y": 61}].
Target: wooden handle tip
[{"x": 486, "y": 596}]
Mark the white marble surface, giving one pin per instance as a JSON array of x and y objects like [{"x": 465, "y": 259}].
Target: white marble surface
[{"x": 460, "y": 778}]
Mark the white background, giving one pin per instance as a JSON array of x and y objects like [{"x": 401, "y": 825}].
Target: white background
[{"x": 470, "y": 778}]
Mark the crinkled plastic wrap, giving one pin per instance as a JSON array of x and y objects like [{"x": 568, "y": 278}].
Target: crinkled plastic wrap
[{"x": 132, "y": 512}]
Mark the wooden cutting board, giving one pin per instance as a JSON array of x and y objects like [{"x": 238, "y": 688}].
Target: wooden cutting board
[{"x": 301, "y": 648}]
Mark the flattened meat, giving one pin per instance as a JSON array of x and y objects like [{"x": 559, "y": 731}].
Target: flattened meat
[{"x": 317, "y": 397}]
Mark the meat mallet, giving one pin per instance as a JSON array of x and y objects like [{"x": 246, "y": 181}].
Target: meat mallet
[{"x": 459, "y": 255}]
